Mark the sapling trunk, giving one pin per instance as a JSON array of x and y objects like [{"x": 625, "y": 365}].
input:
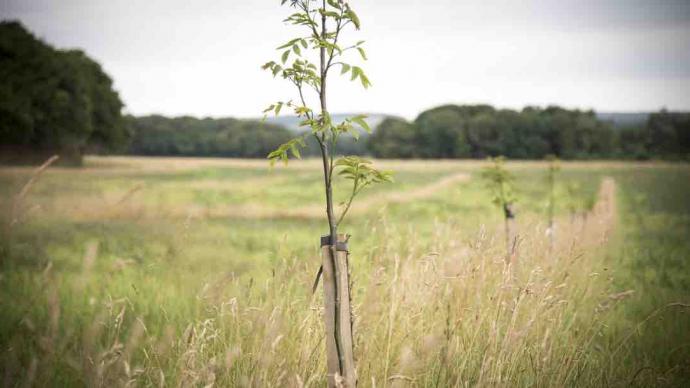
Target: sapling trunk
[
  {"x": 337, "y": 313},
  {"x": 337, "y": 310},
  {"x": 511, "y": 241},
  {"x": 336, "y": 283},
  {"x": 551, "y": 181},
  {"x": 552, "y": 199},
  {"x": 500, "y": 182}
]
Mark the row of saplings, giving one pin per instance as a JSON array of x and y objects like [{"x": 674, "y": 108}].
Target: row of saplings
[{"x": 324, "y": 22}]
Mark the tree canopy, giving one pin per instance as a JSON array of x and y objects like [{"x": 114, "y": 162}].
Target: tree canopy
[
  {"x": 478, "y": 131},
  {"x": 449, "y": 131},
  {"x": 53, "y": 101}
]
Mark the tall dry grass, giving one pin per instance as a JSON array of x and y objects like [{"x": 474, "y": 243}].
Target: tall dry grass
[{"x": 449, "y": 312}]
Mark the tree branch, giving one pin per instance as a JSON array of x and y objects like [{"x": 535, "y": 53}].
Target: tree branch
[{"x": 355, "y": 191}]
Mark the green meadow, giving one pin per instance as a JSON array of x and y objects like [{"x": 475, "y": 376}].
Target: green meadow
[{"x": 198, "y": 272}]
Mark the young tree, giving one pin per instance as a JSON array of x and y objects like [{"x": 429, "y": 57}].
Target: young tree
[
  {"x": 573, "y": 199},
  {"x": 501, "y": 184},
  {"x": 324, "y": 22},
  {"x": 578, "y": 201},
  {"x": 553, "y": 169}
]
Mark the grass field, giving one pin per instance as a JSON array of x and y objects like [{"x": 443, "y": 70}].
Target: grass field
[{"x": 198, "y": 272}]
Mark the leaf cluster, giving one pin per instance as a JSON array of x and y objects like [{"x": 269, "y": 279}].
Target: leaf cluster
[
  {"x": 362, "y": 174},
  {"x": 577, "y": 199},
  {"x": 499, "y": 181},
  {"x": 301, "y": 71},
  {"x": 554, "y": 164},
  {"x": 281, "y": 153},
  {"x": 323, "y": 22}
]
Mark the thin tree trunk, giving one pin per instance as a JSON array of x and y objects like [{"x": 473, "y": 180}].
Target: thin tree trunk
[
  {"x": 337, "y": 310},
  {"x": 509, "y": 232},
  {"x": 337, "y": 314},
  {"x": 552, "y": 202},
  {"x": 551, "y": 231}
]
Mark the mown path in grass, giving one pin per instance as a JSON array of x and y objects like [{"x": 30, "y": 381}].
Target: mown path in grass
[
  {"x": 363, "y": 206},
  {"x": 244, "y": 191}
]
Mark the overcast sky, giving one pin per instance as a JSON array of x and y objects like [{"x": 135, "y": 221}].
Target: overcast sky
[{"x": 203, "y": 57}]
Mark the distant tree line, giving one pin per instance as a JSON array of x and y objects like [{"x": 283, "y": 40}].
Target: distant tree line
[
  {"x": 53, "y": 102},
  {"x": 189, "y": 136},
  {"x": 219, "y": 137},
  {"x": 478, "y": 131}
]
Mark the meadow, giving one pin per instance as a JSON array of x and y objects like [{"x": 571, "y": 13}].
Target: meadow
[{"x": 198, "y": 272}]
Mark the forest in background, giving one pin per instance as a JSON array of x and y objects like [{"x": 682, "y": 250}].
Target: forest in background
[
  {"x": 189, "y": 136},
  {"x": 62, "y": 102},
  {"x": 446, "y": 132},
  {"x": 54, "y": 102},
  {"x": 479, "y": 131}
]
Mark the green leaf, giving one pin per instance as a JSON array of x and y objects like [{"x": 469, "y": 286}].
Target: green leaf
[
  {"x": 362, "y": 53},
  {"x": 365, "y": 80},
  {"x": 353, "y": 16},
  {"x": 288, "y": 44},
  {"x": 281, "y": 153},
  {"x": 276, "y": 69},
  {"x": 356, "y": 71},
  {"x": 295, "y": 151},
  {"x": 296, "y": 49},
  {"x": 285, "y": 56},
  {"x": 359, "y": 120},
  {"x": 333, "y": 3},
  {"x": 345, "y": 68},
  {"x": 302, "y": 110}
]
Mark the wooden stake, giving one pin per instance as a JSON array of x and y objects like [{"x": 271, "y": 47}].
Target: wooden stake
[
  {"x": 511, "y": 237},
  {"x": 338, "y": 313}
]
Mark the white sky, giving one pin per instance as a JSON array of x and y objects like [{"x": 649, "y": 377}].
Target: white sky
[{"x": 203, "y": 57}]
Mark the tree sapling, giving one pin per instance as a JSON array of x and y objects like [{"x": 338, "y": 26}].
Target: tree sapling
[
  {"x": 552, "y": 172},
  {"x": 324, "y": 22},
  {"x": 501, "y": 184}
]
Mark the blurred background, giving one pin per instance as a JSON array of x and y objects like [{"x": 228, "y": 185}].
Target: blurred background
[{"x": 577, "y": 79}]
